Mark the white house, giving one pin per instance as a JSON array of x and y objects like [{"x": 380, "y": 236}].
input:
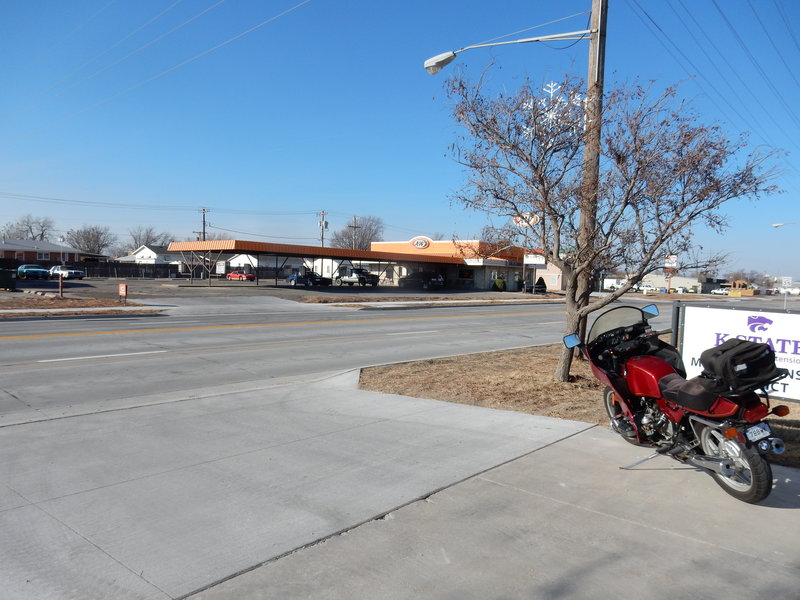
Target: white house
[{"x": 152, "y": 255}]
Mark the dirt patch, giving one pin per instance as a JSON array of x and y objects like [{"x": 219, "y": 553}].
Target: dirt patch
[
  {"x": 21, "y": 300},
  {"x": 28, "y": 304},
  {"x": 522, "y": 380}
]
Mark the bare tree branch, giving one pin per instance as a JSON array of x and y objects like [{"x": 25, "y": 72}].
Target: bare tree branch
[{"x": 663, "y": 174}]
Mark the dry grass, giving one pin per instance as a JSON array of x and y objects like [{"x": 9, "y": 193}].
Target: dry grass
[
  {"x": 28, "y": 304},
  {"x": 522, "y": 380}
]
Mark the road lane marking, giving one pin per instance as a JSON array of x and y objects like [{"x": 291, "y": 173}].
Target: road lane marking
[
  {"x": 413, "y": 332},
  {"x": 52, "y": 360},
  {"x": 287, "y": 324}
]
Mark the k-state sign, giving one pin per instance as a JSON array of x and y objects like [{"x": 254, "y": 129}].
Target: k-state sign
[{"x": 703, "y": 327}]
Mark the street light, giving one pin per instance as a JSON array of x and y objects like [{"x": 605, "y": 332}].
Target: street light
[
  {"x": 594, "y": 109},
  {"x": 436, "y": 63},
  {"x": 782, "y": 224}
]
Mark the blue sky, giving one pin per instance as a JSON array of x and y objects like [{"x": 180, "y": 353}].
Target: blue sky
[{"x": 126, "y": 113}]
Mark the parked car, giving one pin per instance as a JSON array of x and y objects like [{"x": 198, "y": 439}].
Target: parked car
[
  {"x": 425, "y": 280},
  {"x": 32, "y": 272},
  {"x": 720, "y": 291},
  {"x": 240, "y": 276},
  {"x": 66, "y": 272},
  {"x": 310, "y": 278}
]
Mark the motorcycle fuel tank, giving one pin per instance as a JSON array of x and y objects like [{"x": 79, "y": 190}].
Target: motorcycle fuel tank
[{"x": 642, "y": 373}]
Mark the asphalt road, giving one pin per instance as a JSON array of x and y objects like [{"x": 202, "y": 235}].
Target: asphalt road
[{"x": 100, "y": 363}]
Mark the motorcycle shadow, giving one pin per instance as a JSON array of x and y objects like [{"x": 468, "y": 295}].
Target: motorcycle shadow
[{"x": 785, "y": 482}]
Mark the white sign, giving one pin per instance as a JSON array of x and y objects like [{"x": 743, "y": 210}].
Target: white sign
[
  {"x": 705, "y": 328},
  {"x": 421, "y": 242},
  {"x": 534, "y": 259},
  {"x": 786, "y": 282},
  {"x": 671, "y": 262}
]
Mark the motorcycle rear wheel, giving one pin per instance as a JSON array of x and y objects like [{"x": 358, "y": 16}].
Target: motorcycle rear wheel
[
  {"x": 618, "y": 422},
  {"x": 752, "y": 480}
]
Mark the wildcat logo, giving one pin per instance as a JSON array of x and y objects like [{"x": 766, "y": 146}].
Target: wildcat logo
[{"x": 758, "y": 323}]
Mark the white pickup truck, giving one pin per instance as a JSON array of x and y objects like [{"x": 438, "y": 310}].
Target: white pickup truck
[{"x": 355, "y": 276}]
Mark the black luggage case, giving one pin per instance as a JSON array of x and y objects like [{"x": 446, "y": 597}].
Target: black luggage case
[{"x": 740, "y": 365}]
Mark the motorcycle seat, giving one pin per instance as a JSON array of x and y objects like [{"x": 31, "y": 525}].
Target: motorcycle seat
[{"x": 697, "y": 393}]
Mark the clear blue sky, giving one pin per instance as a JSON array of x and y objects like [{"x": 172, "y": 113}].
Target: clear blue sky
[{"x": 127, "y": 113}]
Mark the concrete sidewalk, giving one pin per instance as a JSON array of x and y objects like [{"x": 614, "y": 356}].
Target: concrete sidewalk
[
  {"x": 162, "y": 500},
  {"x": 296, "y": 490},
  {"x": 562, "y": 522}
]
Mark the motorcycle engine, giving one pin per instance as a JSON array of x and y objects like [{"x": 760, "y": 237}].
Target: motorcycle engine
[{"x": 655, "y": 424}]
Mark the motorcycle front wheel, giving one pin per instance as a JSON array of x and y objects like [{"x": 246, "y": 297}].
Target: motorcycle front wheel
[
  {"x": 618, "y": 422},
  {"x": 751, "y": 480}
]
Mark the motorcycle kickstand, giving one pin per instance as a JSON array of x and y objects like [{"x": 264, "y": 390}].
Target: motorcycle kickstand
[{"x": 638, "y": 462}]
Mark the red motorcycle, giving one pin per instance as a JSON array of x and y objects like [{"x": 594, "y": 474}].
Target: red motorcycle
[{"x": 713, "y": 421}]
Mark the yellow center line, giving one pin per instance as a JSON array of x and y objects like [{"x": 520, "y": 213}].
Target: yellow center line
[{"x": 252, "y": 325}]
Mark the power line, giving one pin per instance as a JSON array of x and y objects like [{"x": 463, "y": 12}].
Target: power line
[
  {"x": 31, "y": 107},
  {"x": 756, "y": 64},
  {"x": 137, "y": 206},
  {"x": 274, "y": 237},
  {"x": 772, "y": 42},
  {"x": 156, "y": 76}
]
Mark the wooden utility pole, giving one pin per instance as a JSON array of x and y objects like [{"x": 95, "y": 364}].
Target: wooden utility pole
[
  {"x": 354, "y": 226},
  {"x": 591, "y": 149},
  {"x": 323, "y": 225}
]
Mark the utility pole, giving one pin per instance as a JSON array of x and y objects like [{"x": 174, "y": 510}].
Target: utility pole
[
  {"x": 323, "y": 225},
  {"x": 353, "y": 227},
  {"x": 203, "y": 212},
  {"x": 591, "y": 148}
]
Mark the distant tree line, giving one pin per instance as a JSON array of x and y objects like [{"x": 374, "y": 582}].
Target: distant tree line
[{"x": 92, "y": 239}]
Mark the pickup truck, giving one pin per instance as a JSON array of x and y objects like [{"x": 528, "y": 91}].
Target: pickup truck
[{"x": 356, "y": 275}]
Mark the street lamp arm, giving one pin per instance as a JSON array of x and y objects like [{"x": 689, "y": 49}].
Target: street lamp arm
[{"x": 435, "y": 64}]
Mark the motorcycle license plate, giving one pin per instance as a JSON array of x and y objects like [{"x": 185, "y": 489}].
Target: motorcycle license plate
[{"x": 757, "y": 432}]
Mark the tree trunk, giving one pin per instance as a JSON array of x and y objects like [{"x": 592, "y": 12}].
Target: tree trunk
[{"x": 565, "y": 360}]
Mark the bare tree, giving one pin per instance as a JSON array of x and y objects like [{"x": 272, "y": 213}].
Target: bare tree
[
  {"x": 148, "y": 236},
  {"x": 29, "y": 228},
  {"x": 662, "y": 174},
  {"x": 359, "y": 233},
  {"x": 751, "y": 277},
  {"x": 92, "y": 239}
]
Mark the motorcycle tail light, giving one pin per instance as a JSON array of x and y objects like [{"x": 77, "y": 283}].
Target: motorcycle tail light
[
  {"x": 756, "y": 413},
  {"x": 731, "y": 433},
  {"x": 780, "y": 411}
]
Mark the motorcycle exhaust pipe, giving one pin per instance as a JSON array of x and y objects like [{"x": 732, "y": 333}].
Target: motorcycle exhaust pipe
[
  {"x": 774, "y": 444},
  {"x": 722, "y": 466}
]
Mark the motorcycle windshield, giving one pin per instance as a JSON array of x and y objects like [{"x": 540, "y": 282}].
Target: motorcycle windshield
[{"x": 622, "y": 316}]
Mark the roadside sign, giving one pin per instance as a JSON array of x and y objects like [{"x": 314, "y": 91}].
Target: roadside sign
[
  {"x": 534, "y": 259},
  {"x": 705, "y": 327},
  {"x": 123, "y": 292}
]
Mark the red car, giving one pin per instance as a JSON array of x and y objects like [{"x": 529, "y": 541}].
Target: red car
[{"x": 240, "y": 276}]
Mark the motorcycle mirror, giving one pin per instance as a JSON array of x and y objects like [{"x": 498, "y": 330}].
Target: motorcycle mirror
[
  {"x": 651, "y": 310},
  {"x": 572, "y": 340}
]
